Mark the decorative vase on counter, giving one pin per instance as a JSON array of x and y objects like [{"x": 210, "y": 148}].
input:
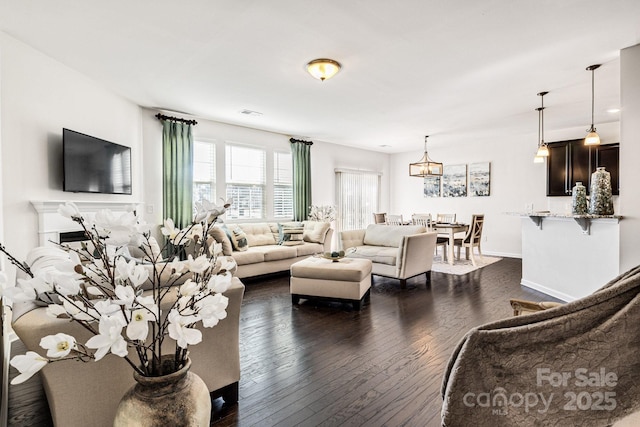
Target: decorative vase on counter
[
  {"x": 579, "y": 199},
  {"x": 601, "y": 202},
  {"x": 180, "y": 398}
]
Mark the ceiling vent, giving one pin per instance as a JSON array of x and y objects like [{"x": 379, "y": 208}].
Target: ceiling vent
[{"x": 251, "y": 113}]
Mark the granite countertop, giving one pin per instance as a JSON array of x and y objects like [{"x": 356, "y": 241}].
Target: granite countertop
[{"x": 549, "y": 214}]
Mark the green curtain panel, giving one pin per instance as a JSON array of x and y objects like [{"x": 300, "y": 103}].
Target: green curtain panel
[
  {"x": 301, "y": 155},
  {"x": 177, "y": 185}
]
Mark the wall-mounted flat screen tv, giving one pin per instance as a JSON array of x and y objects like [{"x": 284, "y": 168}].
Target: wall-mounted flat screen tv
[{"x": 93, "y": 165}]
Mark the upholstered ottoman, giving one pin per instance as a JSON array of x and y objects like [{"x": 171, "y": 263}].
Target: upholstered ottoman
[{"x": 347, "y": 280}]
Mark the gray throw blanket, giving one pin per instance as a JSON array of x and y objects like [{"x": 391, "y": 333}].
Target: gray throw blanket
[{"x": 574, "y": 365}]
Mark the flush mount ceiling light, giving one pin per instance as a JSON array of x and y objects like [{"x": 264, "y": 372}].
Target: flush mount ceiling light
[
  {"x": 323, "y": 69},
  {"x": 425, "y": 166},
  {"x": 592, "y": 137},
  {"x": 543, "y": 149}
]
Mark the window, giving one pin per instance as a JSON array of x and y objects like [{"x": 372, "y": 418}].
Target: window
[
  {"x": 282, "y": 185},
  {"x": 245, "y": 179},
  {"x": 204, "y": 171},
  {"x": 357, "y": 194}
]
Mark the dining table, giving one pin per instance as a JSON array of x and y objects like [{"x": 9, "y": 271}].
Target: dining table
[{"x": 450, "y": 229}]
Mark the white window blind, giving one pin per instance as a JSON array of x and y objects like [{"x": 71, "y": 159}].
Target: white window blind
[
  {"x": 204, "y": 171},
  {"x": 282, "y": 185},
  {"x": 357, "y": 198},
  {"x": 245, "y": 179}
]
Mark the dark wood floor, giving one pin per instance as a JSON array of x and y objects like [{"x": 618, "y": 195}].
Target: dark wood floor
[
  {"x": 322, "y": 363},
  {"x": 325, "y": 364}
]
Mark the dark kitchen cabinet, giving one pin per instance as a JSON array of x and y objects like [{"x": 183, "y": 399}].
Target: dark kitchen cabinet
[{"x": 571, "y": 161}]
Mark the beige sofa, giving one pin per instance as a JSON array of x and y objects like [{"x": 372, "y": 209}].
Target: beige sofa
[
  {"x": 398, "y": 251},
  {"x": 82, "y": 394},
  {"x": 264, "y": 255}
]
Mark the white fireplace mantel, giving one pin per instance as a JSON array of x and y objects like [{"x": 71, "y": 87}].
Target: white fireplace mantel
[{"x": 51, "y": 223}]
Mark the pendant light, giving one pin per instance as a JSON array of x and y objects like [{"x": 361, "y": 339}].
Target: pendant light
[
  {"x": 538, "y": 158},
  {"x": 592, "y": 137},
  {"x": 425, "y": 166},
  {"x": 543, "y": 149}
]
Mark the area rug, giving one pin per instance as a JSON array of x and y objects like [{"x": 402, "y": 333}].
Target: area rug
[{"x": 461, "y": 266}]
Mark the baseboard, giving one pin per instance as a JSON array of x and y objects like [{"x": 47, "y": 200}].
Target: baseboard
[
  {"x": 551, "y": 292},
  {"x": 502, "y": 254}
]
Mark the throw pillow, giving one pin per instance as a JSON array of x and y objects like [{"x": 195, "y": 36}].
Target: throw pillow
[
  {"x": 220, "y": 236},
  {"x": 315, "y": 232},
  {"x": 239, "y": 239},
  {"x": 290, "y": 234}
]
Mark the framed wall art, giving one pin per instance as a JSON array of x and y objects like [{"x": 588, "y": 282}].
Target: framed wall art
[
  {"x": 454, "y": 181},
  {"x": 479, "y": 179},
  {"x": 431, "y": 186}
]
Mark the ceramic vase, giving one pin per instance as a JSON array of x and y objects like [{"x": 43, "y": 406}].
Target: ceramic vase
[
  {"x": 579, "y": 199},
  {"x": 177, "y": 399},
  {"x": 601, "y": 202}
]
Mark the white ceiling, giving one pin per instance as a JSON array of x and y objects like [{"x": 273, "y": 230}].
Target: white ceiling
[{"x": 412, "y": 67}]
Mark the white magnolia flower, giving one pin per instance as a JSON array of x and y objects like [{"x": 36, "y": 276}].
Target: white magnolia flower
[
  {"x": 72, "y": 266},
  {"x": 179, "y": 329},
  {"x": 136, "y": 273},
  {"x": 169, "y": 229},
  {"x": 125, "y": 294},
  {"x": 212, "y": 309},
  {"x": 69, "y": 210},
  {"x": 198, "y": 265},
  {"x": 138, "y": 327},
  {"x": 27, "y": 364},
  {"x": 107, "y": 307},
  {"x": 226, "y": 263},
  {"x": 30, "y": 288},
  {"x": 67, "y": 285},
  {"x": 117, "y": 230},
  {"x": 109, "y": 339},
  {"x": 177, "y": 266},
  {"x": 189, "y": 288},
  {"x": 215, "y": 248},
  {"x": 219, "y": 283},
  {"x": 58, "y": 345}
]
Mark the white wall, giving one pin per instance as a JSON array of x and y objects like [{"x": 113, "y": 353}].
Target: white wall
[
  {"x": 325, "y": 157},
  {"x": 515, "y": 182},
  {"x": 629, "y": 156},
  {"x": 40, "y": 96}
]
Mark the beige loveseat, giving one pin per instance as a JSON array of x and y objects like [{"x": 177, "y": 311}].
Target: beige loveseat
[
  {"x": 398, "y": 251},
  {"x": 87, "y": 394},
  {"x": 265, "y": 255}
]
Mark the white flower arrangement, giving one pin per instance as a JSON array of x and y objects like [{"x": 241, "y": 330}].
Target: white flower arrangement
[
  {"x": 322, "y": 213},
  {"x": 101, "y": 287}
]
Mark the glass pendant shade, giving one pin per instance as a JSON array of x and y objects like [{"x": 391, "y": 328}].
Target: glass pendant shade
[
  {"x": 592, "y": 137},
  {"x": 425, "y": 166},
  {"x": 543, "y": 151},
  {"x": 323, "y": 69},
  {"x": 538, "y": 159}
]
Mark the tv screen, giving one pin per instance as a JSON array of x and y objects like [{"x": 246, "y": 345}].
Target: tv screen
[{"x": 93, "y": 165}]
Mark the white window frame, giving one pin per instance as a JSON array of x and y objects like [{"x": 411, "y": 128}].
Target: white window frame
[{"x": 255, "y": 189}]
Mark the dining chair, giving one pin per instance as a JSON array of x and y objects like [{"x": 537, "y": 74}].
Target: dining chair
[
  {"x": 472, "y": 239},
  {"x": 394, "y": 220},
  {"x": 446, "y": 218},
  {"x": 380, "y": 218},
  {"x": 422, "y": 219}
]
